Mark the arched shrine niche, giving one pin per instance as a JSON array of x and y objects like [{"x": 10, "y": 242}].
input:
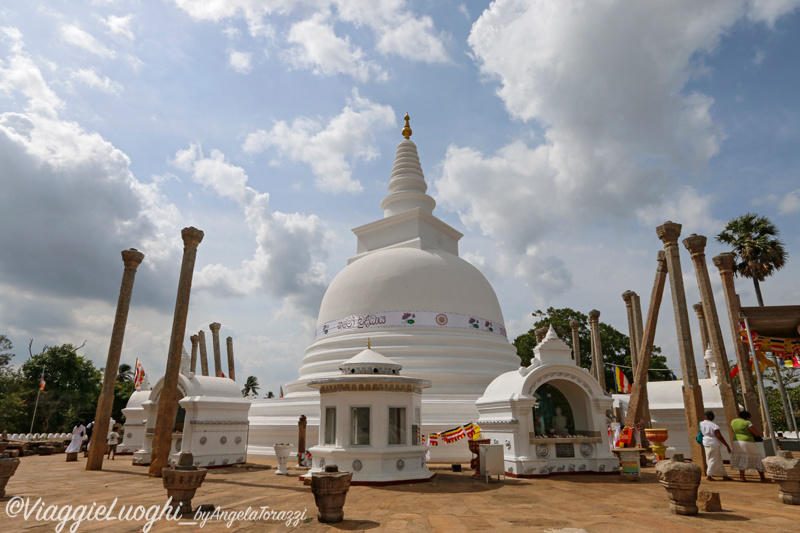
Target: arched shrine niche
[{"x": 561, "y": 409}]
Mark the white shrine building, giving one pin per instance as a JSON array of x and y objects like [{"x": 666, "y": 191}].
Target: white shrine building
[
  {"x": 211, "y": 421},
  {"x": 429, "y": 310},
  {"x": 371, "y": 422},
  {"x": 551, "y": 416}
]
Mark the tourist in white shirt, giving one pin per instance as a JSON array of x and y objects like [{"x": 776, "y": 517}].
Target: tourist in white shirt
[{"x": 713, "y": 442}]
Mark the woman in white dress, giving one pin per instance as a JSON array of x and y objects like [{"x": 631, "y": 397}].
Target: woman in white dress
[
  {"x": 713, "y": 442},
  {"x": 77, "y": 438}
]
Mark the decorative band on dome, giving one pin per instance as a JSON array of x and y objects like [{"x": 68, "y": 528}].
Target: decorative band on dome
[{"x": 408, "y": 319}]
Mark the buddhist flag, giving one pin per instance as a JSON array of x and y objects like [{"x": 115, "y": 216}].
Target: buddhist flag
[
  {"x": 622, "y": 383},
  {"x": 281, "y": 392},
  {"x": 138, "y": 376},
  {"x": 433, "y": 439},
  {"x": 41, "y": 383}
]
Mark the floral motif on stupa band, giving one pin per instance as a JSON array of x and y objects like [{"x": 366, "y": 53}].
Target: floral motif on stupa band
[{"x": 408, "y": 319}]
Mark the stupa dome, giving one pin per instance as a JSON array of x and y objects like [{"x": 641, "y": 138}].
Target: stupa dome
[{"x": 410, "y": 279}]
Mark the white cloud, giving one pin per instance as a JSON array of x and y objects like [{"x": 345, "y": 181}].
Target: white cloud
[
  {"x": 240, "y": 61},
  {"x": 72, "y": 34},
  {"x": 120, "y": 25},
  {"x": 769, "y": 11},
  {"x": 414, "y": 39},
  {"x": 789, "y": 203},
  {"x": 327, "y": 147},
  {"x": 89, "y": 77},
  {"x": 321, "y": 50},
  {"x": 291, "y": 247},
  {"x": 620, "y": 130},
  {"x": 396, "y": 29}
]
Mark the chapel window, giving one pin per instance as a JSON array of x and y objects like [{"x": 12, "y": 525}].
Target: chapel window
[
  {"x": 359, "y": 426},
  {"x": 330, "y": 425},
  {"x": 397, "y": 425}
]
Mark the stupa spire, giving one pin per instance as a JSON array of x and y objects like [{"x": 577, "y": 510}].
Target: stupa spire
[
  {"x": 407, "y": 183},
  {"x": 407, "y": 128}
]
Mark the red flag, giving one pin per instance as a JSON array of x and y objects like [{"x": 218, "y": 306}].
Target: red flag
[
  {"x": 41, "y": 384},
  {"x": 735, "y": 371},
  {"x": 223, "y": 373}
]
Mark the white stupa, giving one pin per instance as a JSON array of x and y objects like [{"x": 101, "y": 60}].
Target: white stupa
[{"x": 428, "y": 309}]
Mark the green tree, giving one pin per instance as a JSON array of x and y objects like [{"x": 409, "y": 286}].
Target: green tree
[
  {"x": 270, "y": 394},
  {"x": 71, "y": 391},
  {"x": 616, "y": 345},
  {"x": 13, "y": 400},
  {"x": 124, "y": 373},
  {"x": 250, "y": 384},
  {"x": 756, "y": 247}
]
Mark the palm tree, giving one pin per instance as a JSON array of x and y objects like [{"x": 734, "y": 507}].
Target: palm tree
[
  {"x": 124, "y": 373},
  {"x": 251, "y": 384},
  {"x": 756, "y": 247}
]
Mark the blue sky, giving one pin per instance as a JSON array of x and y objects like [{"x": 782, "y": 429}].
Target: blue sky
[{"x": 554, "y": 135}]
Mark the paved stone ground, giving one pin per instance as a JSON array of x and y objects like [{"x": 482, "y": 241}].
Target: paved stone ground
[{"x": 451, "y": 502}]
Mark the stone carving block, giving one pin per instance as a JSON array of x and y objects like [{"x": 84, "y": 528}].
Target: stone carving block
[{"x": 709, "y": 501}]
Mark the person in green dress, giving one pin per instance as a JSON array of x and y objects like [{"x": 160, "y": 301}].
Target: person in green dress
[{"x": 745, "y": 455}]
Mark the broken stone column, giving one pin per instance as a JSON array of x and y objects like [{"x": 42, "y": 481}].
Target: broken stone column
[
  {"x": 701, "y": 318},
  {"x": 692, "y": 394},
  {"x": 696, "y": 244},
  {"x": 638, "y": 399},
  {"x": 681, "y": 479},
  {"x": 102, "y": 417},
  {"x": 709, "y": 502},
  {"x": 627, "y": 296},
  {"x": 301, "y": 438},
  {"x": 785, "y": 471},
  {"x": 195, "y": 341},
  {"x": 214, "y": 326},
  {"x": 597, "y": 348},
  {"x": 168, "y": 401},
  {"x": 724, "y": 263},
  {"x": 576, "y": 341},
  {"x": 231, "y": 370},
  {"x": 203, "y": 352},
  {"x": 182, "y": 482},
  {"x": 540, "y": 334}
]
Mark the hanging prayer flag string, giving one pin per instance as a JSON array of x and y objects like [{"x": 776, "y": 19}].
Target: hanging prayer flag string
[{"x": 470, "y": 431}]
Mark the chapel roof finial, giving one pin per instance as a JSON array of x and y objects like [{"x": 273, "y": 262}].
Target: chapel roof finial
[
  {"x": 407, "y": 128},
  {"x": 368, "y": 345}
]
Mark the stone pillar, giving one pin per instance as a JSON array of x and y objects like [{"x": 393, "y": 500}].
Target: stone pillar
[
  {"x": 638, "y": 399},
  {"x": 692, "y": 394},
  {"x": 214, "y": 326},
  {"x": 576, "y": 341},
  {"x": 696, "y": 244},
  {"x": 701, "y": 318},
  {"x": 102, "y": 417},
  {"x": 627, "y": 296},
  {"x": 540, "y": 334},
  {"x": 597, "y": 348},
  {"x": 301, "y": 438},
  {"x": 195, "y": 341},
  {"x": 203, "y": 352},
  {"x": 637, "y": 319},
  {"x": 231, "y": 369},
  {"x": 724, "y": 263},
  {"x": 168, "y": 401}
]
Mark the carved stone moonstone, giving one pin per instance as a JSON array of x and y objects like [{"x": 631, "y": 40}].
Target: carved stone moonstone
[
  {"x": 785, "y": 471},
  {"x": 681, "y": 479}
]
